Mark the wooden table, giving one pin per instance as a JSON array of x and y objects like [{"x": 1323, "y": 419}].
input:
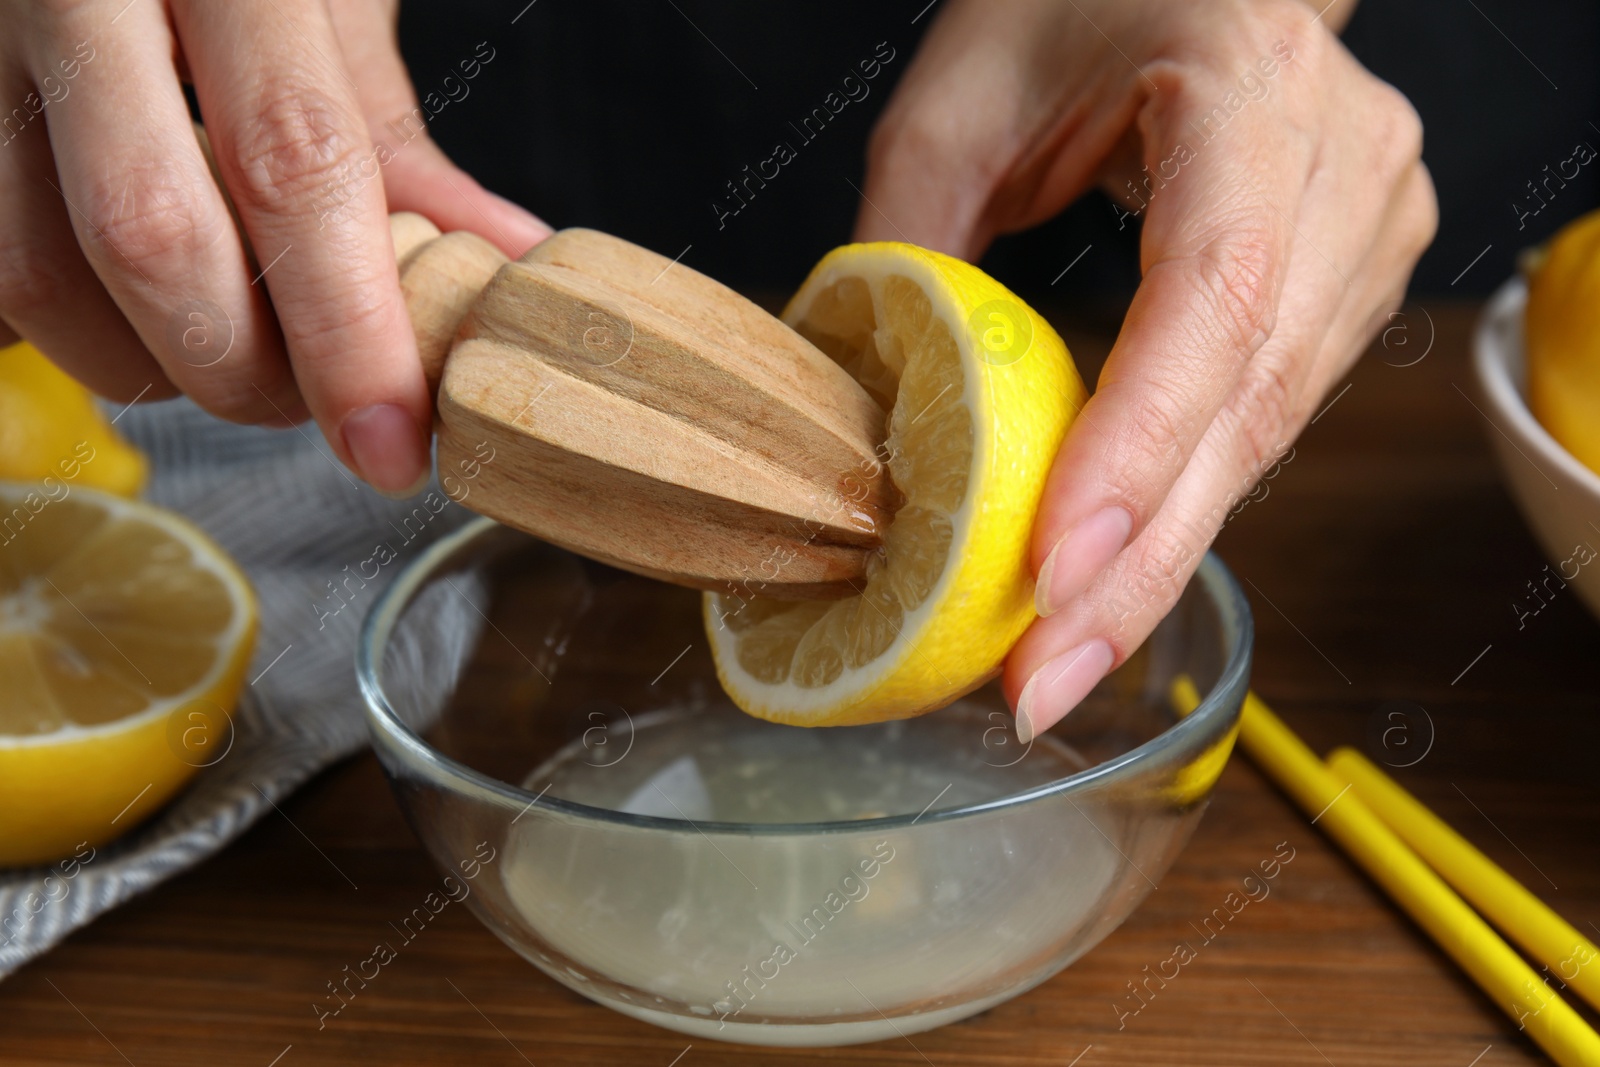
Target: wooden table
[{"x": 1381, "y": 565}]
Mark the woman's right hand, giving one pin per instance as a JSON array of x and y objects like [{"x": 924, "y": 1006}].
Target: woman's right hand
[{"x": 119, "y": 258}]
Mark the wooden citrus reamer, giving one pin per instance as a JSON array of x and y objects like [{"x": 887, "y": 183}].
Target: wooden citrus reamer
[{"x": 643, "y": 414}]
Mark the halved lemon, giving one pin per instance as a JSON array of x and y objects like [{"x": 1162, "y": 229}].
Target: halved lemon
[
  {"x": 124, "y": 636},
  {"x": 980, "y": 391}
]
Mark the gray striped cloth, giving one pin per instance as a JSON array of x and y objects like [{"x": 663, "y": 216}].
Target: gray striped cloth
[{"x": 293, "y": 518}]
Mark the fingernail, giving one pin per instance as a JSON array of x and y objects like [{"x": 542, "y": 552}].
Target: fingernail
[
  {"x": 522, "y": 227},
  {"x": 387, "y": 448},
  {"x": 1059, "y": 686},
  {"x": 1083, "y": 553}
]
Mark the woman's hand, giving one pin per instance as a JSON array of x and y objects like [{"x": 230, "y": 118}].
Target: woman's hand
[
  {"x": 1283, "y": 204},
  {"x": 118, "y": 256}
]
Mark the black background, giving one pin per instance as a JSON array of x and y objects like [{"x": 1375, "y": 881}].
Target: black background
[{"x": 631, "y": 116}]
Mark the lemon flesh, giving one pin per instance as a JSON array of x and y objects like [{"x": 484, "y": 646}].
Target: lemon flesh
[
  {"x": 51, "y": 428},
  {"x": 979, "y": 392},
  {"x": 124, "y": 637}
]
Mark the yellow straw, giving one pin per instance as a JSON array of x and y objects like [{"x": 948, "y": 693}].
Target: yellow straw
[
  {"x": 1571, "y": 958},
  {"x": 1453, "y": 925}
]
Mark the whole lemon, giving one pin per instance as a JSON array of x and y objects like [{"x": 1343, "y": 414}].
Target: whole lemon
[
  {"x": 51, "y": 428},
  {"x": 1562, "y": 328}
]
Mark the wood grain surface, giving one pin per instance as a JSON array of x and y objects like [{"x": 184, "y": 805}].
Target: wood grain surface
[
  {"x": 729, "y": 441},
  {"x": 1381, "y": 564},
  {"x": 644, "y": 414}
]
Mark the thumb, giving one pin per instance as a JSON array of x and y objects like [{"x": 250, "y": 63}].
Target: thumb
[
  {"x": 942, "y": 161},
  {"x": 417, "y": 175},
  {"x": 929, "y": 173},
  {"x": 998, "y": 124},
  {"x": 944, "y": 142}
]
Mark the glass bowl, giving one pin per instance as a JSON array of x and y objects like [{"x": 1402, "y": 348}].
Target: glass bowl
[{"x": 635, "y": 837}]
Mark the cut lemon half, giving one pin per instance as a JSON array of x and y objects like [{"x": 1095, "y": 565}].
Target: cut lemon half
[
  {"x": 124, "y": 637},
  {"x": 980, "y": 391}
]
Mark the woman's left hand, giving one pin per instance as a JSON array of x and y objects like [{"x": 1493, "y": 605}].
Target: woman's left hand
[{"x": 1283, "y": 202}]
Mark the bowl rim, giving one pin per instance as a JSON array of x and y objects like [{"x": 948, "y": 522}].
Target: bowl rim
[
  {"x": 1217, "y": 582},
  {"x": 1497, "y": 342}
]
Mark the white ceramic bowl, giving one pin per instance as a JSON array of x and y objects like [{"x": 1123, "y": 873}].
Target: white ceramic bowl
[{"x": 1559, "y": 496}]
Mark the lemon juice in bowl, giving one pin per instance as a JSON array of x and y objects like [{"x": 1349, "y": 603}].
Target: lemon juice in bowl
[{"x": 713, "y": 930}]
